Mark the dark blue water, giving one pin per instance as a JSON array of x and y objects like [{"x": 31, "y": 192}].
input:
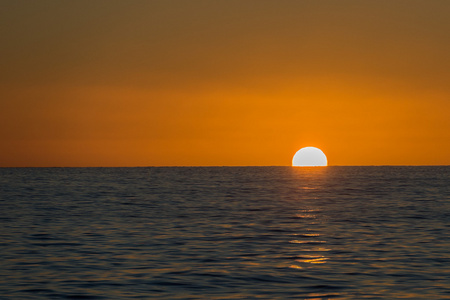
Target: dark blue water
[{"x": 225, "y": 233}]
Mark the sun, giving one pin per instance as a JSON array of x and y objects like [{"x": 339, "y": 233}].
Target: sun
[{"x": 309, "y": 157}]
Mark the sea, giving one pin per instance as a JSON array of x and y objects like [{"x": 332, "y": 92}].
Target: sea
[{"x": 375, "y": 232}]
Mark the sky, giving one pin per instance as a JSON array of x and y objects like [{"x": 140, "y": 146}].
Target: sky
[{"x": 223, "y": 83}]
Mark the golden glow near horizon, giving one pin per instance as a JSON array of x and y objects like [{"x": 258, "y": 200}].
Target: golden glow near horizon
[
  {"x": 309, "y": 157},
  {"x": 181, "y": 83}
]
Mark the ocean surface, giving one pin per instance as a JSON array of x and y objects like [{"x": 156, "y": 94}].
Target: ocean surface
[{"x": 225, "y": 233}]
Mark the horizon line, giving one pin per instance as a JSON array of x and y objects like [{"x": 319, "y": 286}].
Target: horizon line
[{"x": 221, "y": 166}]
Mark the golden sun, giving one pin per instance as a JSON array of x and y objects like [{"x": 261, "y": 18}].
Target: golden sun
[{"x": 309, "y": 157}]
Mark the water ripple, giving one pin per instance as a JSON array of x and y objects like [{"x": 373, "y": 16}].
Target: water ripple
[{"x": 225, "y": 233}]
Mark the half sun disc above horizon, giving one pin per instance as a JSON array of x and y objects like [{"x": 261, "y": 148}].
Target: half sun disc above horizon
[{"x": 309, "y": 157}]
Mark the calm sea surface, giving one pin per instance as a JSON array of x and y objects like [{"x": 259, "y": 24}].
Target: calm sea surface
[{"x": 225, "y": 233}]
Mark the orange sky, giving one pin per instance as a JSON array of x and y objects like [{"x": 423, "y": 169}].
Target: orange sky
[{"x": 199, "y": 83}]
